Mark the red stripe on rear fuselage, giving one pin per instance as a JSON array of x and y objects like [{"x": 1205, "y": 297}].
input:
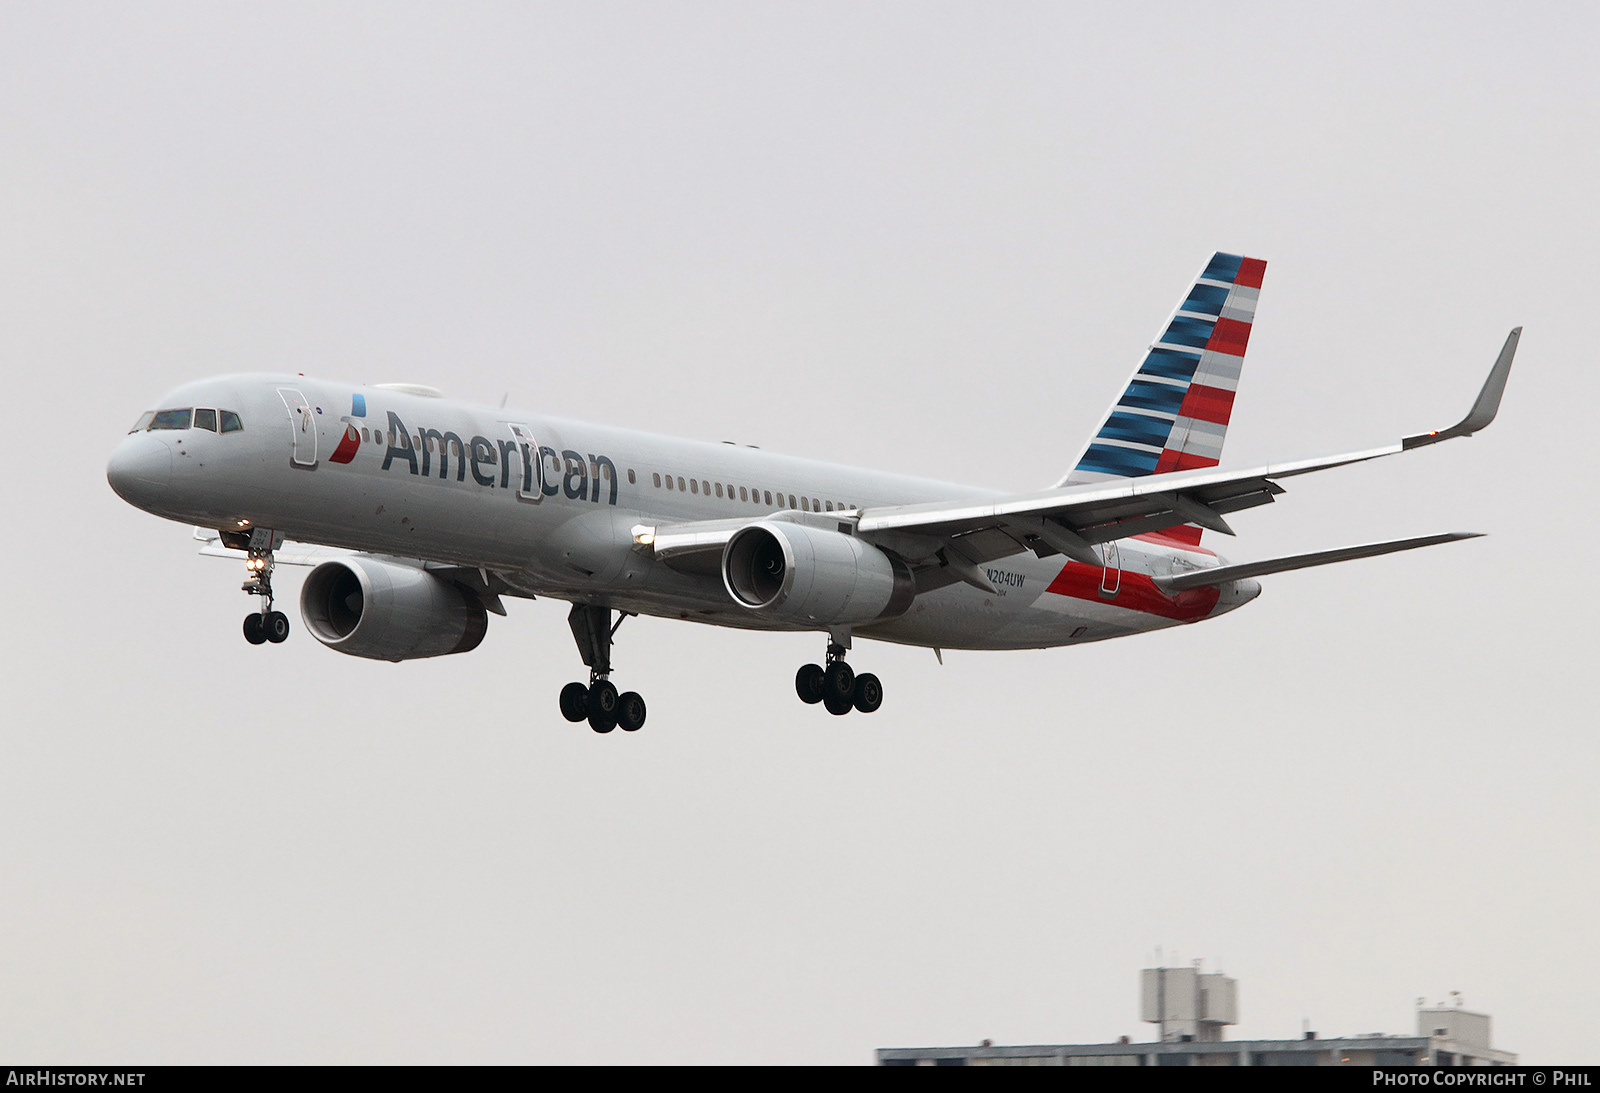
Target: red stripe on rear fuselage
[
  {"x": 1137, "y": 592},
  {"x": 1183, "y": 537}
]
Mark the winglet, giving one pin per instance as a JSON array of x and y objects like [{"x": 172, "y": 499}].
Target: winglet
[{"x": 1488, "y": 403}]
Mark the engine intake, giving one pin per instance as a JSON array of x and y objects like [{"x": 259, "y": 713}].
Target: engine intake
[
  {"x": 808, "y": 574},
  {"x": 384, "y": 611}
]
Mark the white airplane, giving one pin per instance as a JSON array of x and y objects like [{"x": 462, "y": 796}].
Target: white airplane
[{"x": 419, "y": 513}]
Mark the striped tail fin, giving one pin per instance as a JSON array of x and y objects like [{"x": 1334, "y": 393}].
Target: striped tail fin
[{"x": 1173, "y": 414}]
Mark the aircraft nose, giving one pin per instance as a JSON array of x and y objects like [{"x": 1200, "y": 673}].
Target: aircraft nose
[{"x": 140, "y": 469}]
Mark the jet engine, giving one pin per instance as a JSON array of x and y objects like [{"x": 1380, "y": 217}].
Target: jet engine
[
  {"x": 367, "y": 608},
  {"x": 806, "y": 574}
]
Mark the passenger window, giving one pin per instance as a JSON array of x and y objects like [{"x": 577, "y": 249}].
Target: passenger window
[
  {"x": 744, "y": 495},
  {"x": 143, "y": 423},
  {"x": 827, "y": 506},
  {"x": 630, "y": 476},
  {"x": 680, "y": 482},
  {"x": 655, "y": 477},
  {"x": 706, "y": 487},
  {"x": 768, "y": 495},
  {"x": 694, "y": 485},
  {"x": 805, "y": 505},
  {"x": 815, "y": 506},
  {"x": 719, "y": 489},
  {"x": 669, "y": 481},
  {"x": 792, "y": 502}
]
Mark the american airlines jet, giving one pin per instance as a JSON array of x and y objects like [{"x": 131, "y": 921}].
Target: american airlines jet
[{"x": 420, "y": 514}]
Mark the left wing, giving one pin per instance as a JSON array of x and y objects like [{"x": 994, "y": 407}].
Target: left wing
[
  {"x": 481, "y": 582},
  {"x": 287, "y": 552}
]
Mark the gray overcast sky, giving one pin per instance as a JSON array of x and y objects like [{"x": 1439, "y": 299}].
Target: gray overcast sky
[{"x": 925, "y": 237}]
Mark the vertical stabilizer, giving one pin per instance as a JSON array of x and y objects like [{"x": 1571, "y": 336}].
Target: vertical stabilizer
[{"x": 1173, "y": 414}]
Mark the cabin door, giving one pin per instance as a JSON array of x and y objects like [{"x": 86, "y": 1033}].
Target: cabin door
[{"x": 304, "y": 453}]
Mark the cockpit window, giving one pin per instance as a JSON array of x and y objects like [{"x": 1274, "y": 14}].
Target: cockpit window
[
  {"x": 205, "y": 419},
  {"x": 171, "y": 419},
  {"x": 143, "y": 423},
  {"x": 230, "y": 421}
]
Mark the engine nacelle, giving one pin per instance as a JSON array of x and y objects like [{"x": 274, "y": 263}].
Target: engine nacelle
[
  {"x": 368, "y": 608},
  {"x": 808, "y": 574}
]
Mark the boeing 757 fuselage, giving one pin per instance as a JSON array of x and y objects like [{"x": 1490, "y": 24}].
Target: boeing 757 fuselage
[{"x": 419, "y": 513}]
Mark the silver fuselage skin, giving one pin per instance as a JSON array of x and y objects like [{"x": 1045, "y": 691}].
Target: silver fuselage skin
[{"x": 552, "y": 507}]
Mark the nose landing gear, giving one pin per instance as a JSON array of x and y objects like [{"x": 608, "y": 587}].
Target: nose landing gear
[
  {"x": 266, "y": 624},
  {"x": 599, "y": 703},
  {"x": 837, "y": 686}
]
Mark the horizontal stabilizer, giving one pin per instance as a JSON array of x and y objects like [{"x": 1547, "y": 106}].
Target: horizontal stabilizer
[{"x": 1223, "y": 574}]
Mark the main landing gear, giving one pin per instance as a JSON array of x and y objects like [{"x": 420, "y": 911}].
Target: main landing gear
[
  {"x": 266, "y": 624},
  {"x": 599, "y": 703},
  {"x": 836, "y": 686}
]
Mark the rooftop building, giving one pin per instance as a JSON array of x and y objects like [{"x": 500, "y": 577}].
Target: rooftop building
[{"x": 1191, "y": 1009}]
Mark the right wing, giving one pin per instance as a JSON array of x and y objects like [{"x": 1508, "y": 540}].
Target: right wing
[{"x": 1073, "y": 520}]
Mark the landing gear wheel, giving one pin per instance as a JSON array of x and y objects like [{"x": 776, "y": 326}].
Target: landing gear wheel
[
  {"x": 603, "y": 701},
  {"x": 808, "y": 683},
  {"x": 574, "y": 702},
  {"x": 839, "y": 682},
  {"x": 276, "y": 625},
  {"x": 255, "y": 631},
  {"x": 630, "y": 711},
  {"x": 869, "y": 693},
  {"x": 836, "y": 705}
]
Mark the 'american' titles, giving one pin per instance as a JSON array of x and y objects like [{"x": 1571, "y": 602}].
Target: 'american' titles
[{"x": 566, "y": 472}]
